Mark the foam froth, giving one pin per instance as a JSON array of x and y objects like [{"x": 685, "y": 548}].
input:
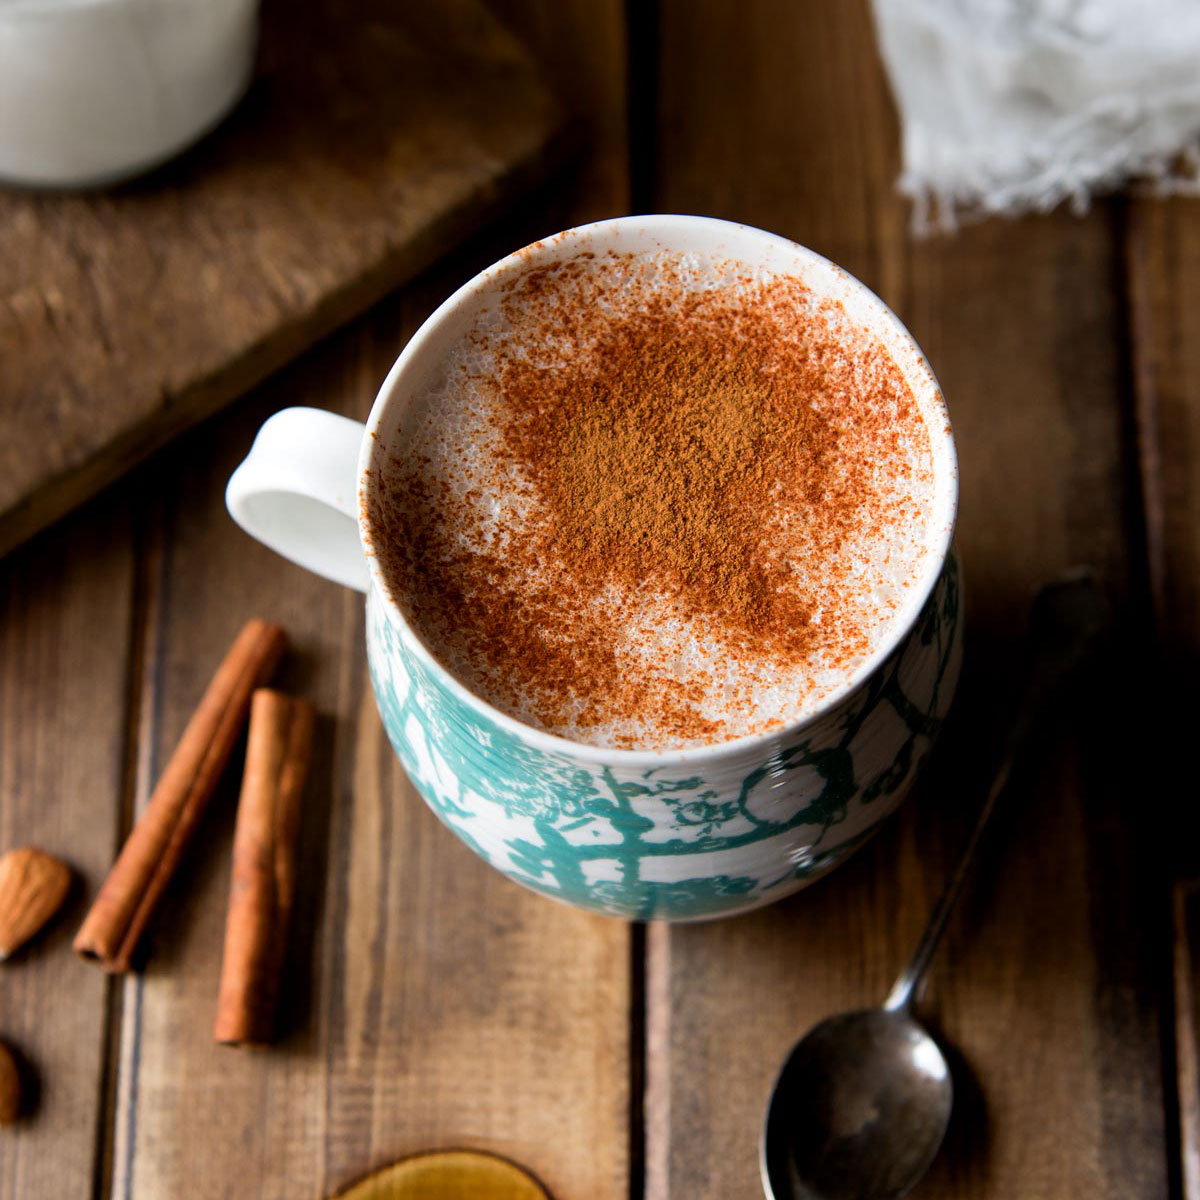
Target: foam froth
[{"x": 655, "y": 501}]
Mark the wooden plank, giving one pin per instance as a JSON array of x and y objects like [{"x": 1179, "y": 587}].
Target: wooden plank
[
  {"x": 581, "y": 49},
  {"x": 1186, "y": 925},
  {"x": 428, "y": 1001},
  {"x": 65, "y": 618},
  {"x": 779, "y": 116},
  {"x": 1162, "y": 244},
  {"x": 128, "y": 315}
]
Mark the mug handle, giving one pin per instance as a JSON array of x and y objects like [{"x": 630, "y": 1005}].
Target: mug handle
[{"x": 296, "y": 492}]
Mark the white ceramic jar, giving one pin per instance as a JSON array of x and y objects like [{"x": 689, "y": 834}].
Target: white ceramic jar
[{"x": 94, "y": 91}]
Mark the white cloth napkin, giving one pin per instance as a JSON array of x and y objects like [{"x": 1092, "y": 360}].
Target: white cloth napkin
[{"x": 1012, "y": 106}]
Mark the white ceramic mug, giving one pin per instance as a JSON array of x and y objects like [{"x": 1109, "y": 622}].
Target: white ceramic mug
[{"x": 677, "y": 834}]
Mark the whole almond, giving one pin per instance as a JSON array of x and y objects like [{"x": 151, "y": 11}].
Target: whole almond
[
  {"x": 10, "y": 1087},
  {"x": 33, "y": 886}
]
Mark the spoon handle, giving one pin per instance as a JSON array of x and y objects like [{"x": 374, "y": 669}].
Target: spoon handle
[{"x": 1066, "y": 618}]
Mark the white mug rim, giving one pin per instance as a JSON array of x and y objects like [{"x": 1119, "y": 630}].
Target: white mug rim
[{"x": 553, "y": 743}]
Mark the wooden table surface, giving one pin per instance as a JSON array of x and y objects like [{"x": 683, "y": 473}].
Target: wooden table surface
[{"x": 429, "y": 1002}]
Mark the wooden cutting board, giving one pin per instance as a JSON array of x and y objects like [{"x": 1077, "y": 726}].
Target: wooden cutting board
[{"x": 374, "y": 136}]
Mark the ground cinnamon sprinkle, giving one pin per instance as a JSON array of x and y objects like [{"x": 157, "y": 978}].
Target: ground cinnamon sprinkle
[{"x": 712, "y": 459}]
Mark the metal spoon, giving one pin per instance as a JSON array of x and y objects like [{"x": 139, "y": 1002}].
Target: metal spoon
[{"x": 862, "y": 1102}]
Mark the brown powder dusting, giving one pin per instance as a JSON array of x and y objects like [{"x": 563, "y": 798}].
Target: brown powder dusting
[{"x": 705, "y": 454}]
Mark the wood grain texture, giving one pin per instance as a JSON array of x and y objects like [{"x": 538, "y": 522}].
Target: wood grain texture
[
  {"x": 1162, "y": 243},
  {"x": 1162, "y": 246},
  {"x": 1186, "y": 928},
  {"x": 581, "y": 51},
  {"x": 65, "y": 617},
  {"x": 426, "y": 1001},
  {"x": 372, "y": 138},
  {"x": 779, "y": 116}
]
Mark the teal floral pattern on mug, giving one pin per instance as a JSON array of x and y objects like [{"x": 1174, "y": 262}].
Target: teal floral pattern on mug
[{"x": 648, "y": 842}]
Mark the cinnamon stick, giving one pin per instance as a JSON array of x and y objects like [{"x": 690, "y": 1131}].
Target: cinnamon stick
[
  {"x": 264, "y": 866},
  {"x": 126, "y": 902}
]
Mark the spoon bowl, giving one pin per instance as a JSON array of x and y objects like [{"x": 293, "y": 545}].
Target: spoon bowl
[{"x": 859, "y": 1110}]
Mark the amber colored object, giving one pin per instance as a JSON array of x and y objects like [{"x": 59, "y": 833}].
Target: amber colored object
[{"x": 450, "y": 1175}]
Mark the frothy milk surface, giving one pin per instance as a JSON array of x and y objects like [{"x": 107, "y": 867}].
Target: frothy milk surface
[{"x": 653, "y": 501}]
